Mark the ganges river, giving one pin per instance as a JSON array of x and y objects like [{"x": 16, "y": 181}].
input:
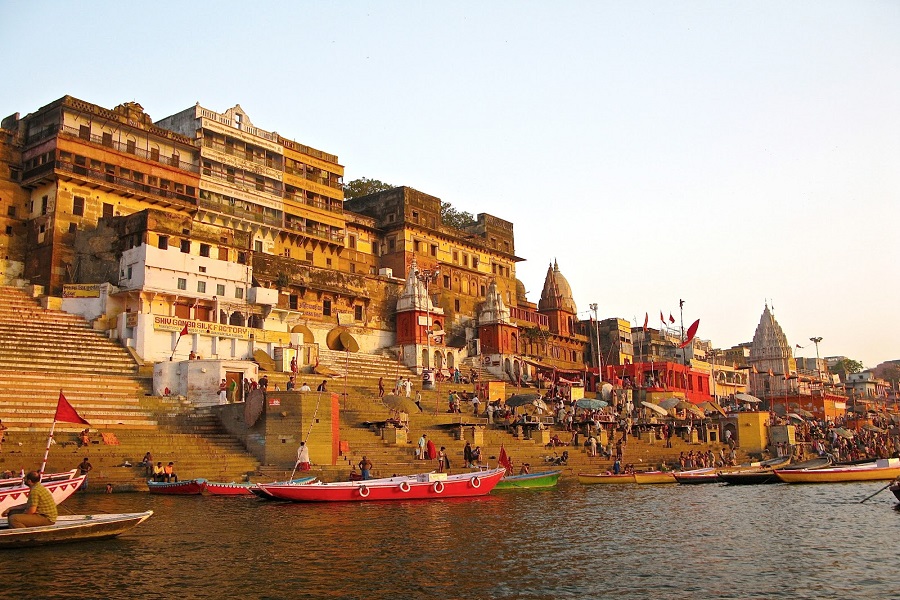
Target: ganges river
[{"x": 601, "y": 541}]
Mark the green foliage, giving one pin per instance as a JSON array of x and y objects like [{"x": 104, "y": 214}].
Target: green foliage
[
  {"x": 364, "y": 187},
  {"x": 282, "y": 280},
  {"x": 846, "y": 366},
  {"x": 455, "y": 218}
]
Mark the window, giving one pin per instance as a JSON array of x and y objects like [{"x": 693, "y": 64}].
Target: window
[
  {"x": 129, "y": 272},
  {"x": 327, "y": 262},
  {"x": 229, "y": 174},
  {"x": 456, "y": 305},
  {"x": 220, "y": 289},
  {"x": 257, "y": 246},
  {"x": 130, "y": 147},
  {"x": 260, "y": 184},
  {"x": 392, "y": 217},
  {"x": 465, "y": 260},
  {"x": 9, "y": 230},
  {"x": 351, "y": 242},
  {"x": 78, "y": 206},
  {"x": 357, "y": 312},
  {"x": 239, "y": 292},
  {"x": 107, "y": 210},
  {"x": 154, "y": 154},
  {"x": 286, "y": 253},
  {"x": 84, "y": 132},
  {"x": 204, "y": 249},
  {"x": 309, "y": 256},
  {"x": 434, "y": 249},
  {"x": 474, "y": 262},
  {"x": 163, "y": 243},
  {"x": 293, "y": 301},
  {"x": 447, "y": 281},
  {"x": 242, "y": 258},
  {"x": 107, "y": 139},
  {"x": 207, "y": 167},
  {"x": 392, "y": 244},
  {"x": 415, "y": 216},
  {"x": 201, "y": 287},
  {"x": 186, "y": 246},
  {"x": 44, "y": 201},
  {"x": 326, "y": 308},
  {"x": 202, "y": 269},
  {"x": 455, "y": 256},
  {"x": 73, "y": 227},
  {"x": 223, "y": 253},
  {"x": 11, "y": 211},
  {"x": 182, "y": 283}
]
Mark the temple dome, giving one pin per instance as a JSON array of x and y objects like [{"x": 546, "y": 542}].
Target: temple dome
[{"x": 557, "y": 293}]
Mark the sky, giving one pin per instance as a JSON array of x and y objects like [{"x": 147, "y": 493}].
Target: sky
[{"x": 730, "y": 154}]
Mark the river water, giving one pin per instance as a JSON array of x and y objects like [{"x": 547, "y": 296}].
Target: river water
[{"x": 623, "y": 541}]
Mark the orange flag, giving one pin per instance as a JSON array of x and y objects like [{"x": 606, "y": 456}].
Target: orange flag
[{"x": 65, "y": 412}]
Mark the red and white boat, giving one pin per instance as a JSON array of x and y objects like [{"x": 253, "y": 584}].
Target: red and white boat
[
  {"x": 45, "y": 478},
  {"x": 425, "y": 486},
  {"x": 60, "y": 489},
  {"x": 215, "y": 488},
  {"x": 188, "y": 487}
]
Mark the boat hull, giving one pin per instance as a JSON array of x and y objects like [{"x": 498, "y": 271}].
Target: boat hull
[
  {"x": 604, "y": 478},
  {"x": 394, "y": 488},
  {"x": 59, "y": 489},
  {"x": 72, "y": 528},
  {"x": 215, "y": 488},
  {"x": 546, "y": 479},
  {"x": 654, "y": 477},
  {"x": 697, "y": 476},
  {"x": 749, "y": 477},
  {"x": 190, "y": 487},
  {"x": 838, "y": 474}
]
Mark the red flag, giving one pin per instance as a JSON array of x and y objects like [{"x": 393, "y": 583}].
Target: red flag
[
  {"x": 671, "y": 318},
  {"x": 504, "y": 461},
  {"x": 65, "y": 412},
  {"x": 646, "y": 319},
  {"x": 662, "y": 318},
  {"x": 799, "y": 346},
  {"x": 184, "y": 331},
  {"x": 691, "y": 332}
]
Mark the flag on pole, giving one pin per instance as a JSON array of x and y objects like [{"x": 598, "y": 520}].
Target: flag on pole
[
  {"x": 799, "y": 346},
  {"x": 504, "y": 461},
  {"x": 662, "y": 318},
  {"x": 671, "y": 318},
  {"x": 184, "y": 331},
  {"x": 65, "y": 412},
  {"x": 691, "y": 332},
  {"x": 646, "y": 319}
]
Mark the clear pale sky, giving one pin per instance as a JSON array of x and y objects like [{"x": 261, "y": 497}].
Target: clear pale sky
[{"x": 725, "y": 153}]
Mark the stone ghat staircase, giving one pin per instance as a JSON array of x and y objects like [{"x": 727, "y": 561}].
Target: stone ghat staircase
[{"x": 44, "y": 352}]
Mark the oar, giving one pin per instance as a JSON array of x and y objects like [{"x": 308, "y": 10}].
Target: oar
[{"x": 876, "y": 493}]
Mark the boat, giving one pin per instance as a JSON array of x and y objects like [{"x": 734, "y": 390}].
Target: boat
[
  {"x": 880, "y": 470},
  {"x": 654, "y": 477},
  {"x": 545, "y": 479},
  {"x": 45, "y": 478},
  {"x": 696, "y": 476},
  {"x": 593, "y": 478},
  {"x": 424, "y": 486},
  {"x": 71, "y": 528},
  {"x": 188, "y": 487},
  {"x": 813, "y": 463},
  {"x": 755, "y": 473},
  {"x": 215, "y": 488},
  {"x": 60, "y": 490}
]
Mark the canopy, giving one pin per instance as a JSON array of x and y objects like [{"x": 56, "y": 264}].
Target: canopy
[
  {"x": 747, "y": 398},
  {"x": 795, "y": 416},
  {"x": 655, "y": 408},
  {"x": 691, "y": 408},
  {"x": 522, "y": 399},
  {"x": 804, "y": 413},
  {"x": 590, "y": 403},
  {"x": 873, "y": 428},
  {"x": 712, "y": 406},
  {"x": 844, "y": 433},
  {"x": 399, "y": 403},
  {"x": 538, "y": 403},
  {"x": 669, "y": 403}
]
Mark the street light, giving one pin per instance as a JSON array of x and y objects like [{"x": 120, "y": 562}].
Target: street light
[
  {"x": 426, "y": 276},
  {"x": 816, "y": 340},
  {"x": 597, "y": 334}
]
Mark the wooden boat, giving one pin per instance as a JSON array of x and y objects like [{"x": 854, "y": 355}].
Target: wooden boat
[
  {"x": 813, "y": 463},
  {"x": 755, "y": 473},
  {"x": 71, "y": 528},
  {"x": 696, "y": 476},
  {"x": 654, "y": 477},
  {"x": 188, "y": 487},
  {"x": 545, "y": 479},
  {"x": 881, "y": 470},
  {"x": 425, "y": 486},
  {"x": 47, "y": 477},
  {"x": 60, "y": 490},
  {"x": 215, "y": 488},
  {"x": 593, "y": 478}
]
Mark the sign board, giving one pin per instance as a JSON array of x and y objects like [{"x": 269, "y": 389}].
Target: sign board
[{"x": 88, "y": 290}]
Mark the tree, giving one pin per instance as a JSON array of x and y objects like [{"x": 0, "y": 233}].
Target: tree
[
  {"x": 454, "y": 218},
  {"x": 846, "y": 366},
  {"x": 364, "y": 187}
]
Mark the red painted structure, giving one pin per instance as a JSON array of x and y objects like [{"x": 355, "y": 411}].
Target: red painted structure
[{"x": 662, "y": 377}]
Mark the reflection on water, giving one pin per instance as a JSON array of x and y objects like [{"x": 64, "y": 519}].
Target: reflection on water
[{"x": 774, "y": 541}]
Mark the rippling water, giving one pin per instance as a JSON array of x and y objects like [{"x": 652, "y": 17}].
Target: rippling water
[{"x": 707, "y": 541}]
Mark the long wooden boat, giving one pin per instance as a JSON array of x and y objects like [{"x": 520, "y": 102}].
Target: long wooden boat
[
  {"x": 71, "y": 528},
  {"x": 215, "y": 488},
  {"x": 545, "y": 479},
  {"x": 881, "y": 470},
  {"x": 654, "y": 477},
  {"x": 425, "y": 486},
  {"x": 46, "y": 478},
  {"x": 748, "y": 477},
  {"x": 594, "y": 478},
  {"x": 60, "y": 490},
  {"x": 188, "y": 487},
  {"x": 696, "y": 476}
]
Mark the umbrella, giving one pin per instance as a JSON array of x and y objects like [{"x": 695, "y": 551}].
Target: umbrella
[
  {"x": 795, "y": 416},
  {"x": 804, "y": 413},
  {"x": 538, "y": 403},
  {"x": 590, "y": 403},
  {"x": 780, "y": 410},
  {"x": 712, "y": 407},
  {"x": 669, "y": 403},
  {"x": 873, "y": 428},
  {"x": 522, "y": 399},
  {"x": 397, "y": 403},
  {"x": 655, "y": 408},
  {"x": 687, "y": 406},
  {"x": 844, "y": 433},
  {"x": 747, "y": 398}
]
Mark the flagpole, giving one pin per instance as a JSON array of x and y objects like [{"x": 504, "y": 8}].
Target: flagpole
[{"x": 47, "y": 450}]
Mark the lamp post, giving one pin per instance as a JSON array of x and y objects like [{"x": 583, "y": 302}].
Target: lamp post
[
  {"x": 426, "y": 276},
  {"x": 597, "y": 335},
  {"x": 816, "y": 340}
]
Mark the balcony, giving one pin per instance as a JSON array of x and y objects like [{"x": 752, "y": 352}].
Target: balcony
[
  {"x": 238, "y": 210},
  {"x": 170, "y": 161},
  {"x": 113, "y": 182}
]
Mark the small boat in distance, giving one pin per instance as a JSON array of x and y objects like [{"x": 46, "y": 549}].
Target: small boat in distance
[
  {"x": 424, "y": 486},
  {"x": 697, "y": 476},
  {"x": 654, "y": 477},
  {"x": 188, "y": 487},
  {"x": 71, "y": 528},
  {"x": 545, "y": 479},
  {"x": 594, "y": 478},
  {"x": 880, "y": 470}
]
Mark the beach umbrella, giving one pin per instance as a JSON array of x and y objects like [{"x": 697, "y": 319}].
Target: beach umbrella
[
  {"x": 655, "y": 408},
  {"x": 691, "y": 408},
  {"x": 844, "y": 433},
  {"x": 873, "y": 428},
  {"x": 804, "y": 413},
  {"x": 795, "y": 416},
  {"x": 713, "y": 407},
  {"x": 669, "y": 403},
  {"x": 747, "y": 398},
  {"x": 522, "y": 399},
  {"x": 590, "y": 403},
  {"x": 395, "y": 402}
]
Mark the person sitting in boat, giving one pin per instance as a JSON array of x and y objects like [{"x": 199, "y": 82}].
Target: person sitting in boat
[
  {"x": 158, "y": 472},
  {"x": 39, "y": 510},
  {"x": 169, "y": 473},
  {"x": 525, "y": 470}
]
